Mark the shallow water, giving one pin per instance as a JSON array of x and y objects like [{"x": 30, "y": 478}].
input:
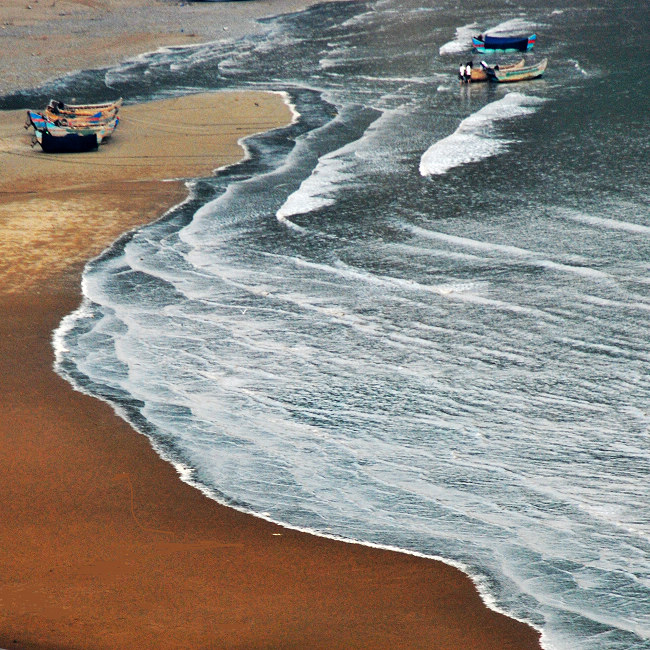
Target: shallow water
[{"x": 418, "y": 317}]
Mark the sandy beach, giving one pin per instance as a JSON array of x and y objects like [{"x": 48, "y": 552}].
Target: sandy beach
[
  {"x": 45, "y": 39},
  {"x": 103, "y": 546}
]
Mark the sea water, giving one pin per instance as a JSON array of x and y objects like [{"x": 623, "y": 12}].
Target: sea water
[{"x": 417, "y": 317}]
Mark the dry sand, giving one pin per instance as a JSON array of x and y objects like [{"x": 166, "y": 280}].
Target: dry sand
[
  {"x": 102, "y": 546},
  {"x": 42, "y": 39}
]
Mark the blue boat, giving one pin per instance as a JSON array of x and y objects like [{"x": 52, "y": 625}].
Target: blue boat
[{"x": 485, "y": 43}]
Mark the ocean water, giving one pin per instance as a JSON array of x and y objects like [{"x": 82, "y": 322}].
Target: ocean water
[{"x": 417, "y": 317}]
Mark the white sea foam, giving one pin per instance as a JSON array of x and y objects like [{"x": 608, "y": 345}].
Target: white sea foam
[
  {"x": 578, "y": 67},
  {"x": 475, "y": 138},
  {"x": 404, "y": 80},
  {"x": 319, "y": 189},
  {"x": 533, "y": 257},
  {"x": 465, "y": 291},
  {"x": 327, "y": 63},
  {"x": 514, "y": 26},
  {"x": 162, "y": 57},
  {"x": 359, "y": 19},
  {"x": 606, "y": 223},
  {"x": 334, "y": 171},
  {"x": 461, "y": 42},
  {"x": 65, "y": 328},
  {"x": 604, "y": 302},
  {"x": 288, "y": 223}
]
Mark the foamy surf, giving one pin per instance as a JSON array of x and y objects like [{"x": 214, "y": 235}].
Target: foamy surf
[
  {"x": 462, "y": 42},
  {"x": 513, "y": 26},
  {"x": 458, "y": 378},
  {"x": 476, "y": 139},
  {"x": 315, "y": 192}
]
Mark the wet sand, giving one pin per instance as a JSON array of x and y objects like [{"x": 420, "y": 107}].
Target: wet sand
[{"x": 102, "y": 545}]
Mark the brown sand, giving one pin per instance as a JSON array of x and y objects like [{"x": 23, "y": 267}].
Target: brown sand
[
  {"x": 102, "y": 546},
  {"x": 41, "y": 39}
]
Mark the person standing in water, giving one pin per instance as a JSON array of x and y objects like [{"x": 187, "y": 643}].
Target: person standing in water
[{"x": 468, "y": 72}]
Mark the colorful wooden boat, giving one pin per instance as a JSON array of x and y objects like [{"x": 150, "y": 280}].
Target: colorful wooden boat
[
  {"x": 486, "y": 43},
  {"x": 57, "y": 107},
  {"x": 518, "y": 74},
  {"x": 102, "y": 129},
  {"x": 481, "y": 73},
  {"x": 78, "y": 121},
  {"x": 66, "y": 142}
]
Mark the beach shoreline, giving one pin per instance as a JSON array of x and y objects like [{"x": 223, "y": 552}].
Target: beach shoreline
[
  {"x": 104, "y": 545},
  {"x": 46, "y": 39}
]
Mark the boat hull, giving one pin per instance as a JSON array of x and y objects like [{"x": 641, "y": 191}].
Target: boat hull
[
  {"x": 68, "y": 143},
  {"x": 481, "y": 74},
  {"x": 102, "y": 130},
  {"x": 504, "y": 44},
  {"x": 57, "y": 111},
  {"x": 75, "y": 110},
  {"x": 519, "y": 74}
]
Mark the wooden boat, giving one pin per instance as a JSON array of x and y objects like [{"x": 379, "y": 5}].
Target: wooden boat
[
  {"x": 102, "y": 129},
  {"x": 66, "y": 142},
  {"x": 56, "y": 107},
  {"x": 481, "y": 73},
  {"x": 486, "y": 43},
  {"x": 518, "y": 74},
  {"x": 78, "y": 121}
]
